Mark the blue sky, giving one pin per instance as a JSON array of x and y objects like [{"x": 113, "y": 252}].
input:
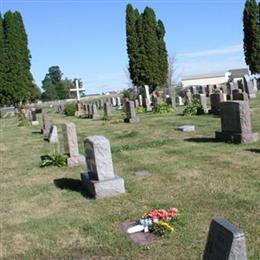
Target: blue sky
[{"x": 87, "y": 38}]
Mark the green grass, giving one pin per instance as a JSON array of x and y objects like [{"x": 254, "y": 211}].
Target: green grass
[{"x": 202, "y": 178}]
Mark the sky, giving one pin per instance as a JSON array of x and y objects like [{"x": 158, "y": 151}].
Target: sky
[{"x": 87, "y": 38}]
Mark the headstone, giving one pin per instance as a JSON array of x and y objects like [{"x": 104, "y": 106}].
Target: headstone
[
  {"x": 209, "y": 90},
  {"x": 113, "y": 101},
  {"x": 236, "y": 123},
  {"x": 130, "y": 113},
  {"x": 107, "y": 109},
  {"x": 100, "y": 181},
  {"x": 85, "y": 107},
  {"x": 249, "y": 88},
  {"x": 136, "y": 103},
  {"x": 203, "y": 102},
  {"x": 224, "y": 97},
  {"x": 225, "y": 242},
  {"x": 147, "y": 94},
  {"x": 179, "y": 101},
  {"x": 240, "y": 96},
  {"x": 71, "y": 145},
  {"x": 53, "y": 135},
  {"x": 186, "y": 128},
  {"x": 45, "y": 124},
  {"x": 89, "y": 109},
  {"x": 188, "y": 96},
  {"x": 118, "y": 103},
  {"x": 34, "y": 117},
  {"x": 140, "y": 99},
  {"x": 79, "y": 109},
  {"x": 147, "y": 104},
  {"x": 215, "y": 100},
  {"x": 95, "y": 114}
]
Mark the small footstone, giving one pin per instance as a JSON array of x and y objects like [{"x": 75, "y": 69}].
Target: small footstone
[
  {"x": 186, "y": 128},
  {"x": 142, "y": 174}
]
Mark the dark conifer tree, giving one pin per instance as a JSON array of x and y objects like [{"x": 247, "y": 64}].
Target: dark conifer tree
[
  {"x": 2, "y": 81},
  {"x": 252, "y": 35}
]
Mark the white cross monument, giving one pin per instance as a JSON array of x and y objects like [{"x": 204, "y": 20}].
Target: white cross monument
[{"x": 77, "y": 89}]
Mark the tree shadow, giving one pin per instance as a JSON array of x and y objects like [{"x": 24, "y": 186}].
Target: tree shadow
[
  {"x": 72, "y": 185},
  {"x": 253, "y": 150},
  {"x": 201, "y": 140}
]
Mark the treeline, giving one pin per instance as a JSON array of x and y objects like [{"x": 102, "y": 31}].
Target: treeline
[
  {"x": 16, "y": 80},
  {"x": 146, "y": 48}
]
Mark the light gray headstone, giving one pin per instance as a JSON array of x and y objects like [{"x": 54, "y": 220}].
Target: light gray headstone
[
  {"x": 225, "y": 242},
  {"x": 53, "y": 135},
  {"x": 95, "y": 114},
  {"x": 45, "y": 124},
  {"x": 107, "y": 109},
  {"x": 140, "y": 99}
]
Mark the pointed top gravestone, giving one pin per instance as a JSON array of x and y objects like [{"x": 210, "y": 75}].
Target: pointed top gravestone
[{"x": 53, "y": 135}]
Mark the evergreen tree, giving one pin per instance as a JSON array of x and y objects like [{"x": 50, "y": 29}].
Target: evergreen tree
[
  {"x": 2, "y": 81},
  {"x": 146, "y": 48},
  {"x": 252, "y": 35},
  {"x": 17, "y": 87},
  {"x": 54, "y": 87}
]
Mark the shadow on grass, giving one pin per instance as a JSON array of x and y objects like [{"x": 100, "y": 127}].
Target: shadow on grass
[
  {"x": 36, "y": 132},
  {"x": 201, "y": 140},
  {"x": 72, "y": 185},
  {"x": 253, "y": 150}
]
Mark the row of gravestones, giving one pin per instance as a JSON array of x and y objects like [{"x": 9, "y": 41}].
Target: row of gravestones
[{"x": 245, "y": 85}]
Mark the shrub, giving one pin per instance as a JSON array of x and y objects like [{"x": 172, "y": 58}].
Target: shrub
[
  {"x": 194, "y": 108},
  {"x": 140, "y": 110},
  {"x": 70, "y": 110},
  {"x": 22, "y": 120},
  {"x": 162, "y": 108},
  {"x": 53, "y": 159}
]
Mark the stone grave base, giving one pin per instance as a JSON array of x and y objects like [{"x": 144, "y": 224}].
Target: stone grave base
[
  {"x": 140, "y": 238},
  {"x": 76, "y": 161},
  {"x": 132, "y": 120},
  {"x": 237, "y": 138},
  {"x": 102, "y": 189},
  {"x": 34, "y": 123},
  {"x": 95, "y": 117}
]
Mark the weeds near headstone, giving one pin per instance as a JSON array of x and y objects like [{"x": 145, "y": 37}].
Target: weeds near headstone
[
  {"x": 194, "y": 108},
  {"x": 162, "y": 108}
]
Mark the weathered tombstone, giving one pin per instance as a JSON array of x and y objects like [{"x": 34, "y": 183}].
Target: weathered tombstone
[
  {"x": 100, "y": 181},
  {"x": 95, "y": 114},
  {"x": 45, "y": 124},
  {"x": 79, "y": 109},
  {"x": 53, "y": 135},
  {"x": 136, "y": 103},
  {"x": 147, "y": 105},
  {"x": 89, "y": 109},
  {"x": 203, "y": 102},
  {"x": 179, "y": 101},
  {"x": 215, "y": 100},
  {"x": 140, "y": 99},
  {"x": 118, "y": 103},
  {"x": 147, "y": 94},
  {"x": 224, "y": 97},
  {"x": 34, "y": 117},
  {"x": 225, "y": 242},
  {"x": 236, "y": 123},
  {"x": 249, "y": 88},
  {"x": 240, "y": 96},
  {"x": 113, "y": 101},
  {"x": 85, "y": 108},
  {"x": 107, "y": 109},
  {"x": 130, "y": 113},
  {"x": 71, "y": 145}
]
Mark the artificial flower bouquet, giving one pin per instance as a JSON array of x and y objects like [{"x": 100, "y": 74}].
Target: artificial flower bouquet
[{"x": 159, "y": 222}]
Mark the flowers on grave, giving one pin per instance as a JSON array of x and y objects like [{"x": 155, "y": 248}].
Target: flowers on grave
[{"x": 157, "y": 221}]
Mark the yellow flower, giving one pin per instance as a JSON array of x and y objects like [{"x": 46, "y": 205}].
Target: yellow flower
[{"x": 166, "y": 226}]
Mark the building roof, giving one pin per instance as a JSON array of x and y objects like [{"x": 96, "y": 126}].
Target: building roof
[
  {"x": 239, "y": 73},
  {"x": 205, "y": 76}
]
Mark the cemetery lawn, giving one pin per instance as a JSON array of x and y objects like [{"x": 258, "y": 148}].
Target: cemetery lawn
[{"x": 189, "y": 171}]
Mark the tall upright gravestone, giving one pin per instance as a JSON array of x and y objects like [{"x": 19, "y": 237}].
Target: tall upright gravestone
[
  {"x": 130, "y": 113},
  {"x": 107, "y": 109},
  {"x": 225, "y": 242},
  {"x": 100, "y": 181},
  {"x": 236, "y": 123},
  {"x": 45, "y": 124},
  {"x": 71, "y": 145},
  {"x": 215, "y": 100},
  {"x": 53, "y": 135}
]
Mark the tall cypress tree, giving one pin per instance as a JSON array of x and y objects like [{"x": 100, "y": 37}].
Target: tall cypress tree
[
  {"x": 2, "y": 81},
  {"x": 146, "y": 48},
  {"x": 252, "y": 35},
  {"x": 162, "y": 55},
  {"x": 18, "y": 86}
]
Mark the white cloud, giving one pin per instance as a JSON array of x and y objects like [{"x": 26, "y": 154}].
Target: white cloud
[{"x": 213, "y": 52}]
